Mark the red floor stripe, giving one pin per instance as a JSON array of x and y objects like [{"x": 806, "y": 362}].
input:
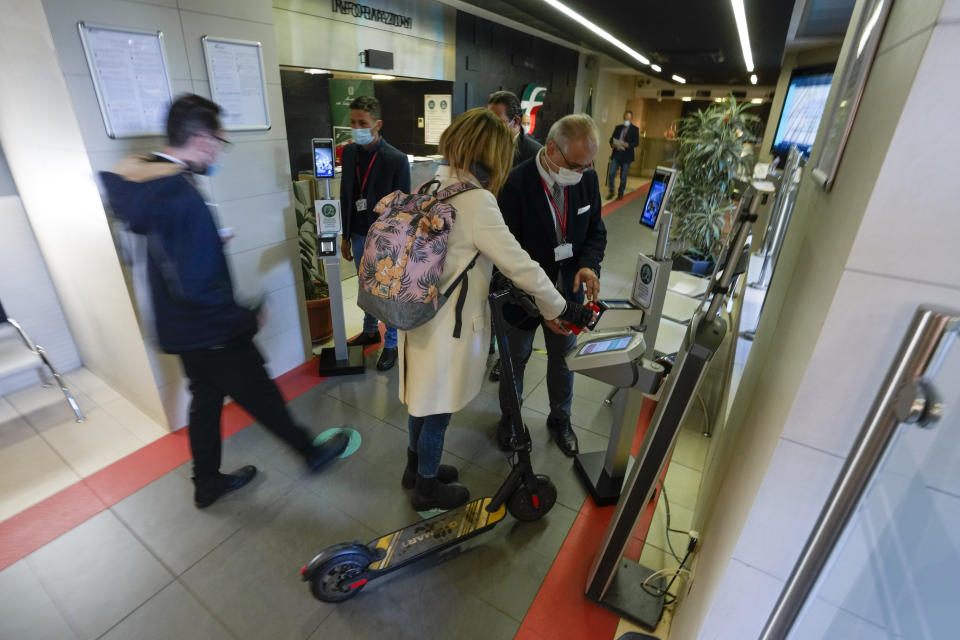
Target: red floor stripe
[
  {"x": 49, "y": 519},
  {"x": 560, "y": 609},
  {"x": 613, "y": 205}
]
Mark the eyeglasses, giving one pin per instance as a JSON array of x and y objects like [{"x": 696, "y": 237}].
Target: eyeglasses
[
  {"x": 221, "y": 140},
  {"x": 579, "y": 168}
]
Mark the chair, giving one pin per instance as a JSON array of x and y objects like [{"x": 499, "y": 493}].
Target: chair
[{"x": 19, "y": 353}]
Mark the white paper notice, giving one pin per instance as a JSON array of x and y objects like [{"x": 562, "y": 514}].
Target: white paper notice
[
  {"x": 130, "y": 75},
  {"x": 237, "y": 84},
  {"x": 436, "y": 116}
]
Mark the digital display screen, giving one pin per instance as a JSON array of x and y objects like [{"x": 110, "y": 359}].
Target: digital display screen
[
  {"x": 601, "y": 346},
  {"x": 654, "y": 203},
  {"x": 618, "y": 304},
  {"x": 323, "y": 158},
  {"x": 802, "y": 110}
]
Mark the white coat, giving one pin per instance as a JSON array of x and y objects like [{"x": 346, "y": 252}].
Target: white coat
[{"x": 441, "y": 374}]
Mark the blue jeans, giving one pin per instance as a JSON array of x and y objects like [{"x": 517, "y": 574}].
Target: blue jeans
[
  {"x": 371, "y": 324},
  {"x": 559, "y": 377},
  {"x": 426, "y": 438},
  {"x": 624, "y": 168}
]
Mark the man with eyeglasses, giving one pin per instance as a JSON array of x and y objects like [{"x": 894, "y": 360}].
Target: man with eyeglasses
[
  {"x": 551, "y": 203},
  {"x": 194, "y": 310}
]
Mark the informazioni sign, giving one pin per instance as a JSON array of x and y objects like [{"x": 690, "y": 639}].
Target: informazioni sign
[{"x": 367, "y": 12}]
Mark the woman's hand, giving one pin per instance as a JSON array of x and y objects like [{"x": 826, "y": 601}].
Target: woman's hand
[{"x": 558, "y": 326}]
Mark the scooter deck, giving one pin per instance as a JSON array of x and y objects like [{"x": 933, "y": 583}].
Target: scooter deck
[{"x": 448, "y": 528}]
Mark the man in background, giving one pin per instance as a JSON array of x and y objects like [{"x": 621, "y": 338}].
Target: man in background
[
  {"x": 624, "y": 140},
  {"x": 372, "y": 169},
  {"x": 506, "y": 105},
  {"x": 195, "y": 312}
]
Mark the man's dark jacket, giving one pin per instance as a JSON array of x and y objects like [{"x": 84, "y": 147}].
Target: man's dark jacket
[
  {"x": 632, "y": 139},
  {"x": 190, "y": 286},
  {"x": 523, "y": 203},
  {"x": 527, "y": 147},
  {"x": 390, "y": 172}
]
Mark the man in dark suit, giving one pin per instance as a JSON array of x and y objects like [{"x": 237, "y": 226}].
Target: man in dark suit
[
  {"x": 506, "y": 105},
  {"x": 372, "y": 169},
  {"x": 624, "y": 140},
  {"x": 551, "y": 203}
]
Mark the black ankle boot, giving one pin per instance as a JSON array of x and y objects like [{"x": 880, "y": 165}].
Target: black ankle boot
[
  {"x": 430, "y": 493},
  {"x": 445, "y": 474}
]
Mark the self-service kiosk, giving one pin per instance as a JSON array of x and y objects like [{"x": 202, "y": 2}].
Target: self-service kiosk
[{"x": 621, "y": 351}]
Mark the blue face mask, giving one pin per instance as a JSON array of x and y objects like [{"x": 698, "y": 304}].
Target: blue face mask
[
  {"x": 362, "y": 136},
  {"x": 210, "y": 170}
]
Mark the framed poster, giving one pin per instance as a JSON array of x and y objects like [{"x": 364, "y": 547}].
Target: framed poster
[
  {"x": 237, "y": 82},
  {"x": 863, "y": 38},
  {"x": 436, "y": 116},
  {"x": 130, "y": 77}
]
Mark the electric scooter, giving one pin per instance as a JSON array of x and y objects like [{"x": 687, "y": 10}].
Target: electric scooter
[{"x": 340, "y": 571}]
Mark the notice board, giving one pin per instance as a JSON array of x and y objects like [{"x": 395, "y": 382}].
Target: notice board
[
  {"x": 237, "y": 82},
  {"x": 436, "y": 116},
  {"x": 130, "y": 77}
]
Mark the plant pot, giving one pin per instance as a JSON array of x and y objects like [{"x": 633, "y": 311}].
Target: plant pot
[
  {"x": 690, "y": 264},
  {"x": 318, "y": 316}
]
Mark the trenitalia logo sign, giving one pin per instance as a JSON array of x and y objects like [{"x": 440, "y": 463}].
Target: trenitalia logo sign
[
  {"x": 530, "y": 104},
  {"x": 367, "y": 12}
]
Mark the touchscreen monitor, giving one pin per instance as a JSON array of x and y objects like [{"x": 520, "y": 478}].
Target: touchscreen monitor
[
  {"x": 601, "y": 346},
  {"x": 655, "y": 196},
  {"x": 323, "y": 157}
]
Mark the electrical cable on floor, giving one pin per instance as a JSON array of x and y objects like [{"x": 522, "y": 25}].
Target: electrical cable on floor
[
  {"x": 706, "y": 414},
  {"x": 666, "y": 504}
]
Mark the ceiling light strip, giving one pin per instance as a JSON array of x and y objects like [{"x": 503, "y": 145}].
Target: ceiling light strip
[
  {"x": 677, "y": 78},
  {"x": 573, "y": 15},
  {"x": 740, "y": 15}
]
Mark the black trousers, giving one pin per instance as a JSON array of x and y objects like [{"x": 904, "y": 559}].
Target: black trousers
[{"x": 234, "y": 370}]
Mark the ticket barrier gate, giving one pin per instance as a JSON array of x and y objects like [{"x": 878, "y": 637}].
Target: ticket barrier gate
[{"x": 614, "y": 581}]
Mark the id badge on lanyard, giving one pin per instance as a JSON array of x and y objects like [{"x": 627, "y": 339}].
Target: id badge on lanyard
[
  {"x": 361, "y": 204},
  {"x": 564, "y": 250}
]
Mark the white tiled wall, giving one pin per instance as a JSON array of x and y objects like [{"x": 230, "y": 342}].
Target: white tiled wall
[
  {"x": 252, "y": 190},
  {"x": 904, "y": 255}
]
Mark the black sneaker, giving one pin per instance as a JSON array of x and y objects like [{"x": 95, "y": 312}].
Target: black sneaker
[
  {"x": 363, "y": 339},
  {"x": 208, "y": 491},
  {"x": 321, "y": 455},
  {"x": 563, "y": 435},
  {"x": 388, "y": 358},
  {"x": 495, "y": 371}
]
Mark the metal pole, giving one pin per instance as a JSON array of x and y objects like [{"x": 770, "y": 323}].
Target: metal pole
[
  {"x": 901, "y": 399},
  {"x": 777, "y": 224}
]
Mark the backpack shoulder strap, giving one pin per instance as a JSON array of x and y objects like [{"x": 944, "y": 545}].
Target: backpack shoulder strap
[
  {"x": 454, "y": 189},
  {"x": 462, "y": 298}
]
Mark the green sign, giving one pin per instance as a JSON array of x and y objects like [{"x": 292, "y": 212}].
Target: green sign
[{"x": 342, "y": 93}]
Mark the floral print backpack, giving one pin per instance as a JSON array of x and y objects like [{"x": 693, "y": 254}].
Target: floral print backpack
[{"x": 404, "y": 255}]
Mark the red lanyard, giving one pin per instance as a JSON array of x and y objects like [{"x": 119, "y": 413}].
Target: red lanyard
[
  {"x": 363, "y": 184},
  {"x": 561, "y": 219}
]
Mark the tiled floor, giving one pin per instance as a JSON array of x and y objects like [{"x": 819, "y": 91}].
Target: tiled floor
[
  {"x": 152, "y": 566},
  {"x": 43, "y": 449}
]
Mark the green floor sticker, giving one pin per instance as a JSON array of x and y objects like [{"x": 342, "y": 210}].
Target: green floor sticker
[{"x": 352, "y": 445}]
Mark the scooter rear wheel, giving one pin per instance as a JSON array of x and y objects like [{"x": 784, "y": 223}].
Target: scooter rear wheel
[
  {"x": 526, "y": 506},
  {"x": 340, "y": 578}
]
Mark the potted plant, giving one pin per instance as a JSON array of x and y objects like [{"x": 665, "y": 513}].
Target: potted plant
[
  {"x": 315, "y": 289},
  {"x": 710, "y": 155}
]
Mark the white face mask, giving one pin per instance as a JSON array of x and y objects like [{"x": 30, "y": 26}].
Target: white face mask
[
  {"x": 626, "y": 123},
  {"x": 561, "y": 175}
]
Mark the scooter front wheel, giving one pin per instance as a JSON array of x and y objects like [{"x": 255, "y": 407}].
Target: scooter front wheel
[
  {"x": 528, "y": 506},
  {"x": 341, "y": 577}
]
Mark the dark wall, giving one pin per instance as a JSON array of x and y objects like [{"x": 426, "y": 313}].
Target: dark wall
[
  {"x": 402, "y": 104},
  {"x": 491, "y": 57},
  {"x": 306, "y": 108}
]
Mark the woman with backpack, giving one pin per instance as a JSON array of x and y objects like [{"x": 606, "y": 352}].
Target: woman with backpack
[{"x": 441, "y": 373}]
